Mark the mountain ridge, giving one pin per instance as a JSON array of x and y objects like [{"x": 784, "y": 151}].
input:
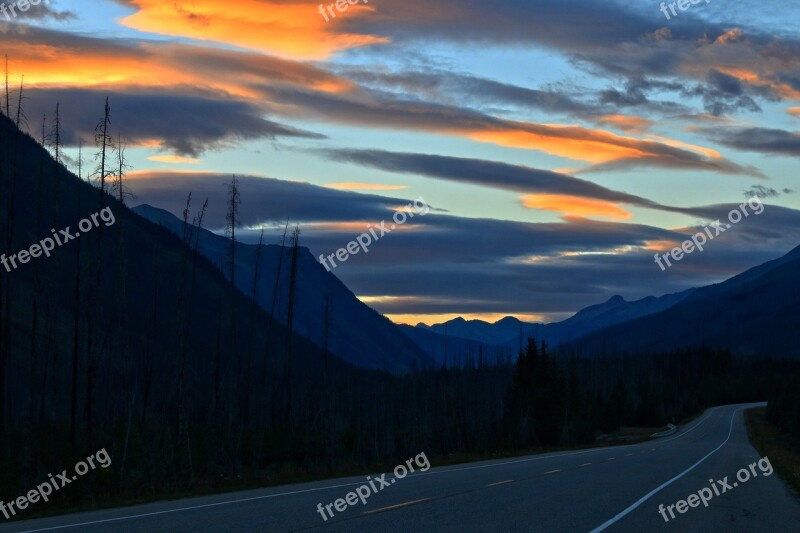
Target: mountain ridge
[{"x": 376, "y": 343}]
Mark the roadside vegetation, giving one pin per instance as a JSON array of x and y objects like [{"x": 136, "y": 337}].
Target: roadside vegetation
[{"x": 775, "y": 433}]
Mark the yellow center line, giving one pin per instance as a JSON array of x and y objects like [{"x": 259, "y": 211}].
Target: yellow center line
[
  {"x": 382, "y": 509},
  {"x": 500, "y": 483}
]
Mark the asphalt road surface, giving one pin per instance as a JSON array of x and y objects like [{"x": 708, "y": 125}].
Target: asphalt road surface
[{"x": 606, "y": 489}]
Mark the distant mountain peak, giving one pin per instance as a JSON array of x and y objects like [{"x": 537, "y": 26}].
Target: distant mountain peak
[{"x": 508, "y": 320}]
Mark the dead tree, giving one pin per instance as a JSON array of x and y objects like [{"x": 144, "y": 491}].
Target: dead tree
[
  {"x": 77, "y": 323},
  {"x": 8, "y": 97},
  {"x": 104, "y": 142},
  {"x": 122, "y": 165},
  {"x": 182, "y": 352},
  {"x": 290, "y": 322},
  {"x": 254, "y": 291},
  {"x": 275, "y": 295},
  {"x": 232, "y": 221},
  {"x": 55, "y": 138},
  {"x": 5, "y": 352},
  {"x": 36, "y": 274}
]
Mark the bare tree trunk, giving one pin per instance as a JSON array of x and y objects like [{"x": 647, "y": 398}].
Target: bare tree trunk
[
  {"x": 50, "y": 350},
  {"x": 234, "y": 359},
  {"x": 36, "y": 276},
  {"x": 182, "y": 340},
  {"x": 8, "y": 98},
  {"x": 188, "y": 324},
  {"x": 102, "y": 139},
  {"x": 290, "y": 322},
  {"x": 245, "y": 393},
  {"x": 275, "y": 296},
  {"x": 7, "y": 345},
  {"x": 77, "y": 323}
]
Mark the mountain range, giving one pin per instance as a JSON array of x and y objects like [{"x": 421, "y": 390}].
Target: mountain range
[{"x": 749, "y": 313}]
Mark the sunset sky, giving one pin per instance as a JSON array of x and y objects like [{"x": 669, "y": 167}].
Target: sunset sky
[{"x": 560, "y": 144}]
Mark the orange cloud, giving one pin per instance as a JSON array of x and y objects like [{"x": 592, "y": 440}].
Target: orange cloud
[
  {"x": 354, "y": 186},
  {"x": 156, "y": 175},
  {"x": 438, "y": 318},
  {"x": 794, "y": 111},
  {"x": 124, "y": 65},
  {"x": 573, "y": 142},
  {"x": 337, "y": 227},
  {"x": 708, "y": 152},
  {"x": 86, "y": 62},
  {"x": 661, "y": 245},
  {"x": 369, "y": 300},
  {"x": 730, "y": 36},
  {"x": 757, "y": 79},
  {"x": 173, "y": 159},
  {"x": 575, "y": 206},
  {"x": 627, "y": 122},
  {"x": 294, "y": 30}
]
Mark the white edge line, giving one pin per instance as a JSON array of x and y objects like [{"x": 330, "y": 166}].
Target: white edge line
[
  {"x": 189, "y": 508},
  {"x": 650, "y": 494},
  {"x": 205, "y": 506}
]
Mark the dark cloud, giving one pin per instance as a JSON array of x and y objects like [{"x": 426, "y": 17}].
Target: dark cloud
[
  {"x": 445, "y": 262},
  {"x": 560, "y": 275},
  {"x": 42, "y": 11},
  {"x": 611, "y": 39},
  {"x": 722, "y": 95},
  {"x": 761, "y": 191},
  {"x": 490, "y": 174},
  {"x": 264, "y": 200},
  {"x": 765, "y": 140},
  {"x": 451, "y": 87},
  {"x": 636, "y": 94},
  {"x": 185, "y": 121},
  {"x": 378, "y": 111}
]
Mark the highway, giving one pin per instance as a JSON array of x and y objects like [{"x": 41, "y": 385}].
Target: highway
[{"x": 603, "y": 489}]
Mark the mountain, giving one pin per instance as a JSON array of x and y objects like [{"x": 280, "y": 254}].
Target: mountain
[
  {"x": 614, "y": 311},
  {"x": 499, "y": 333},
  {"x": 124, "y": 339},
  {"x": 356, "y": 333},
  {"x": 122, "y": 323},
  {"x": 754, "y": 313},
  {"x": 455, "y": 351},
  {"x": 509, "y": 332}
]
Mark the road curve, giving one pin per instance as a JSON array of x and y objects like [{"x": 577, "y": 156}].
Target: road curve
[{"x": 603, "y": 489}]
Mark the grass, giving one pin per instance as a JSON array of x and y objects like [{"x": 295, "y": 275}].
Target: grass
[{"x": 783, "y": 450}]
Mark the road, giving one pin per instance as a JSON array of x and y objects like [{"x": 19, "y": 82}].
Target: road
[{"x": 604, "y": 489}]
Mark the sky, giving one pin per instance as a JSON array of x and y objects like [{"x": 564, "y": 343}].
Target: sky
[{"x": 560, "y": 145}]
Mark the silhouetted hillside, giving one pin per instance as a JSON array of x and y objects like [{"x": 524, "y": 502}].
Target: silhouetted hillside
[
  {"x": 355, "y": 332},
  {"x": 754, "y": 313}
]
